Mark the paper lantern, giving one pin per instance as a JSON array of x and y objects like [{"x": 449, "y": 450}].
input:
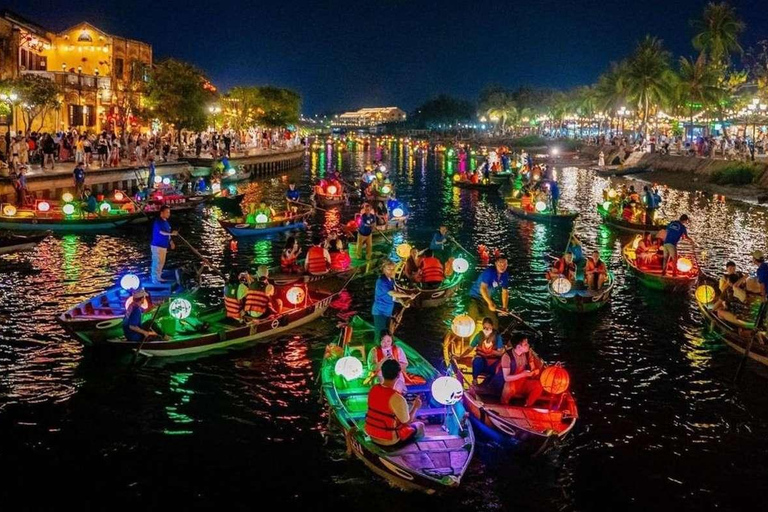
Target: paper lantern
[
  {"x": 68, "y": 209},
  {"x": 130, "y": 282},
  {"x": 404, "y": 250},
  {"x": 386, "y": 189},
  {"x": 9, "y": 210},
  {"x": 463, "y": 326},
  {"x": 166, "y": 181},
  {"x": 457, "y": 178},
  {"x": 43, "y": 206},
  {"x": 607, "y": 206},
  {"x": 705, "y": 294},
  {"x": 67, "y": 197},
  {"x": 349, "y": 367},
  {"x": 180, "y": 308},
  {"x": 447, "y": 390},
  {"x": 561, "y": 285},
  {"x": 398, "y": 212},
  {"x": 216, "y": 187},
  {"x": 261, "y": 218},
  {"x": 541, "y": 206},
  {"x": 105, "y": 207},
  {"x": 295, "y": 295},
  {"x": 231, "y": 171},
  {"x": 684, "y": 265},
  {"x": 555, "y": 380},
  {"x": 611, "y": 193},
  {"x": 460, "y": 265},
  {"x": 332, "y": 190},
  {"x": 158, "y": 179},
  {"x": 119, "y": 196}
]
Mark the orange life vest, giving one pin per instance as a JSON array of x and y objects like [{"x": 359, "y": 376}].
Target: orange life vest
[
  {"x": 432, "y": 270},
  {"x": 256, "y": 301},
  {"x": 564, "y": 268},
  {"x": 526, "y": 204},
  {"x": 380, "y": 421},
  {"x": 380, "y": 353},
  {"x": 487, "y": 346},
  {"x": 287, "y": 260},
  {"x": 232, "y": 305},
  {"x": 600, "y": 267},
  {"x": 340, "y": 260},
  {"x": 316, "y": 263}
]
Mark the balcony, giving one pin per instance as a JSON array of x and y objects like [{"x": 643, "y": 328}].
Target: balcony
[{"x": 74, "y": 80}]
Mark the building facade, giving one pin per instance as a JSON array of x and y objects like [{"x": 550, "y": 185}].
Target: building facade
[{"x": 371, "y": 116}]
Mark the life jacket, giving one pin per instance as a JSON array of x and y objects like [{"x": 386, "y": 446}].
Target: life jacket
[
  {"x": 432, "y": 270},
  {"x": 316, "y": 263},
  {"x": 484, "y": 351},
  {"x": 380, "y": 353},
  {"x": 256, "y": 301},
  {"x": 287, "y": 260},
  {"x": 380, "y": 421},
  {"x": 564, "y": 268},
  {"x": 599, "y": 267},
  {"x": 340, "y": 260},
  {"x": 526, "y": 203},
  {"x": 232, "y": 304}
]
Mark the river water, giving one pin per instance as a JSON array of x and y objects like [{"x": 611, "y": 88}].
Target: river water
[{"x": 661, "y": 423}]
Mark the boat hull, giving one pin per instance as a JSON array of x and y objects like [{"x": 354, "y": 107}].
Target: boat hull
[
  {"x": 584, "y": 301},
  {"x": 69, "y": 226},
  {"x": 487, "y": 187},
  {"x": 560, "y": 219},
  {"x": 656, "y": 281}
]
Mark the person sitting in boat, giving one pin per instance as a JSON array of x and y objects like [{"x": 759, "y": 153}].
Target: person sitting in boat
[
  {"x": 388, "y": 351},
  {"x": 289, "y": 256},
  {"x": 431, "y": 273},
  {"x": 265, "y": 210},
  {"x": 233, "y": 299},
  {"x": 439, "y": 239},
  {"x": 411, "y": 266},
  {"x": 526, "y": 202},
  {"x": 516, "y": 376},
  {"x": 647, "y": 252},
  {"x": 132, "y": 322},
  {"x": 292, "y": 195},
  {"x": 481, "y": 301},
  {"x": 563, "y": 266},
  {"x": 759, "y": 283},
  {"x": 633, "y": 196},
  {"x": 340, "y": 259},
  {"x": 676, "y": 230},
  {"x": 90, "y": 204},
  {"x": 732, "y": 284},
  {"x": 258, "y": 300},
  {"x": 489, "y": 347},
  {"x": 389, "y": 421},
  {"x": 595, "y": 272},
  {"x": 318, "y": 259},
  {"x": 628, "y": 212},
  {"x": 382, "y": 214}
]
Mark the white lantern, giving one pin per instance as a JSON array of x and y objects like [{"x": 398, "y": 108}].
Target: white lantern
[
  {"x": 398, "y": 212},
  {"x": 541, "y": 206},
  {"x": 447, "y": 390},
  {"x": 166, "y": 181},
  {"x": 349, "y": 367},
  {"x": 158, "y": 179},
  {"x": 463, "y": 326},
  {"x": 295, "y": 295},
  {"x": 130, "y": 282},
  {"x": 68, "y": 209},
  {"x": 261, "y": 218},
  {"x": 460, "y": 265},
  {"x": 561, "y": 285},
  {"x": 180, "y": 308},
  {"x": 105, "y": 207}
]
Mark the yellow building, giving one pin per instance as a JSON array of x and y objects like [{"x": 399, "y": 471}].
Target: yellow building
[{"x": 101, "y": 76}]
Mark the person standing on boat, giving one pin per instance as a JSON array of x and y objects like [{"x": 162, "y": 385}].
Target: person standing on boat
[
  {"x": 388, "y": 351},
  {"x": 554, "y": 195},
  {"x": 365, "y": 232},
  {"x": 481, "y": 303},
  {"x": 161, "y": 241},
  {"x": 675, "y": 231},
  {"x": 384, "y": 298},
  {"x": 79, "y": 176},
  {"x": 439, "y": 239},
  {"x": 132, "y": 322},
  {"x": 389, "y": 421},
  {"x": 489, "y": 347},
  {"x": 292, "y": 195}
]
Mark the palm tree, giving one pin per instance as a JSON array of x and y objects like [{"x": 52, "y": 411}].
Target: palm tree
[
  {"x": 498, "y": 105},
  {"x": 650, "y": 80},
  {"x": 717, "y": 32},
  {"x": 698, "y": 86},
  {"x": 611, "y": 89}
]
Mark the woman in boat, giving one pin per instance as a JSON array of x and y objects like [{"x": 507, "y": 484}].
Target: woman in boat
[
  {"x": 318, "y": 259},
  {"x": 340, "y": 260},
  {"x": 382, "y": 215},
  {"x": 233, "y": 300},
  {"x": 489, "y": 347},
  {"x": 732, "y": 283},
  {"x": 596, "y": 272},
  {"x": 563, "y": 266},
  {"x": 389, "y": 421},
  {"x": 647, "y": 251},
  {"x": 431, "y": 272},
  {"x": 289, "y": 256},
  {"x": 386, "y": 351},
  {"x": 411, "y": 267}
]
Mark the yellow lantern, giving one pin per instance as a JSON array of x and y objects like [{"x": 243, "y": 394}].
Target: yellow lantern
[
  {"x": 611, "y": 193},
  {"x": 67, "y": 197},
  {"x": 463, "y": 326},
  {"x": 9, "y": 210},
  {"x": 705, "y": 294},
  {"x": 386, "y": 189},
  {"x": 457, "y": 178},
  {"x": 404, "y": 250},
  {"x": 332, "y": 190}
]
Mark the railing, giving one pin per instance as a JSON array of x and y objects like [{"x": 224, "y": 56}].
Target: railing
[{"x": 77, "y": 80}]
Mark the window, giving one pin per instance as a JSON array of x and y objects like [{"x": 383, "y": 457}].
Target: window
[
  {"x": 119, "y": 68},
  {"x": 75, "y": 115},
  {"x": 85, "y": 37},
  {"x": 90, "y": 115}
]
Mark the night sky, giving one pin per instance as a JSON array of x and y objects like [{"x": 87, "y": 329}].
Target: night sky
[{"x": 346, "y": 55}]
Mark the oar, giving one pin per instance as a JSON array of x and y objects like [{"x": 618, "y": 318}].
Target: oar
[
  {"x": 381, "y": 232},
  {"x": 523, "y": 322},
  {"x": 202, "y": 258},
  {"x": 758, "y": 322},
  {"x": 141, "y": 345},
  {"x": 406, "y": 303},
  {"x": 309, "y": 205},
  {"x": 135, "y": 204},
  {"x": 459, "y": 245}
]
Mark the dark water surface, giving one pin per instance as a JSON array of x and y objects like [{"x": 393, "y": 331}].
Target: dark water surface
[{"x": 661, "y": 424}]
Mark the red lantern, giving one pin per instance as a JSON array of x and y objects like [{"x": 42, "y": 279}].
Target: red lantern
[{"x": 555, "y": 380}]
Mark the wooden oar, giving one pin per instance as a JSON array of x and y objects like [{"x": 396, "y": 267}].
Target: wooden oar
[
  {"x": 135, "y": 204},
  {"x": 202, "y": 258},
  {"x": 459, "y": 245},
  {"x": 141, "y": 345},
  {"x": 523, "y": 322},
  {"x": 758, "y": 322},
  {"x": 309, "y": 205}
]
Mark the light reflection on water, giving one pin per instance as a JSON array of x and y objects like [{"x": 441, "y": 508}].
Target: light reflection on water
[{"x": 658, "y": 409}]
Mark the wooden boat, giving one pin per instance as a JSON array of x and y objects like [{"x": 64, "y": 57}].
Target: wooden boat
[
  {"x": 735, "y": 328},
  {"x": 430, "y": 297},
  {"x": 98, "y": 318},
  {"x": 15, "y": 242},
  {"x": 433, "y": 462},
  {"x": 650, "y": 274},
  {"x": 358, "y": 268},
  {"x": 240, "y": 174},
  {"x": 55, "y": 220},
  {"x": 172, "y": 198},
  {"x": 211, "y": 330},
  {"x": 278, "y": 224},
  {"x": 563, "y": 216},
  {"x": 487, "y": 187},
  {"x": 581, "y": 299},
  {"x": 502, "y": 176},
  {"x": 394, "y": 225},
  {"x": 624, "y": 225},
  {"x": 227, "y": 202},
  {"x": 533, "y": 429},
  {"x": 326, "y": 199}
]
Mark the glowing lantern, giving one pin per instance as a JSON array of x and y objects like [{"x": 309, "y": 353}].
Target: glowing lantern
[
  {"x": 158, "y": 179},
  {"x": 67, "y": 197},
  {"x": 119, "y": 196},
  {"x": 231, "y": 171},
  {"x": 404, "y": 250},
  {"x": 9, "y": 210},
  {"x": 180, "y": 308},
  {"x": 295, "y": 295},
  {"x": 379, "y": 175},
  {"x": 332, "y": 190},
  {"x": 43, "y": 206},
  {"x": 166, "y": 181},
  {"x": 460, "y": 265},
  {"x": 611, "y": 193},
  {"x": 386, "y": 189},
  {"x": 457, "y": 178},
  {"x": 684, "y": 265},
  {"x": 216, "y": 187},
  {"x": 561, "y": 285},
  {"x": 130, "y": 282},
  {"x": 607, "y": 206},
  {"x": 541, "y": 206},
  {"x": 105, "y": 208},
  {"x": 261, "y": 218},
  {"x": 463, "y": 326},
  {"x": 68, "y": 209},
  {"x": 349, "y": 367},
  {"x": 447, "y": 390},
  {"x": 555, "y": 380},
  {"x": 398, "y": 212},
  {"x": 705, "y": 294}
]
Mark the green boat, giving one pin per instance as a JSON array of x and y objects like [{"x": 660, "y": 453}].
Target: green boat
[
  {"x": 436, "y": 461},
  {"x": 580, "y": 299}
]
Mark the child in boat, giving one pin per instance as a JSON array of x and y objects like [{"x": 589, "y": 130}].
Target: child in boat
[
  {"x": 411, "y": 267},
  {"x": 732, "y": 284},
  {"x": 389, "y": 421}
]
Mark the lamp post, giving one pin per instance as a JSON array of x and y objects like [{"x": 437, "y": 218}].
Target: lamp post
[{"x": 214, "y": 110}]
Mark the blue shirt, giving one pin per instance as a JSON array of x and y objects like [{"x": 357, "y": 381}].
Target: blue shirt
[
  {"x": 160, "y": 240},
  {"x": 383, "y": 303},
  {"x": 762, "y": 274},
  {"x": 479, "y": 337},
  {"x": 79, "y": 174},
  {"x": 91, "y": 205},
  {"x": 133, "y": 319},
  {"x": 675, "y": 231},
  {"x": 293, "y": 195},
  {"x": 438, "y": 242},
  {"x": 491, "y": 278},
  {"x": 367, "y": 220},
  {"x": 554, "y": 190}
]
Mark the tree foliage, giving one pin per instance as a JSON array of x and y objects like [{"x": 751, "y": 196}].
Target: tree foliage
[
  {"x": 717, "y": 32},
  {"x": 176, "y": 94},
  {"x": 37, "y": 96}
]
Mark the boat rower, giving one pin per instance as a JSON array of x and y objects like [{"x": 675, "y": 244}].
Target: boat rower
[
  {"x": 492, "y": 279},
  {"x": 132, "y": 322},
  {"x": 292, "y": 195},
  {"x": 389, "y": 421},
  {"x": 676, "y": 230}
]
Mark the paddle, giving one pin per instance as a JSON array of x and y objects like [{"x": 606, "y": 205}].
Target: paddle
[
  {"x": 758, "y": 322},
  {"x": 141, "y": 345},
  {"x": 459, "y": 245},
  {"x": 520, "y": 320},
  {"x": 135, "y": 204},
  {"x": 202, "y": 258},
  {"x": 309, "y": 205}
]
